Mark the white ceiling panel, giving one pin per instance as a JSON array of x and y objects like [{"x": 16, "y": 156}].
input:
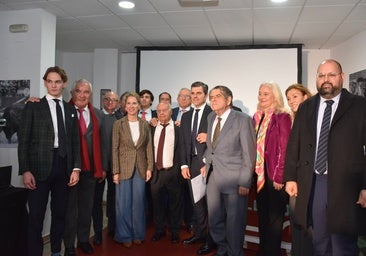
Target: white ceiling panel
[{"x": 84, "y": 24}]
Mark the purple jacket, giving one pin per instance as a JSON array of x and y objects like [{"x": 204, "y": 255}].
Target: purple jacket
[{"x": 275, "y": 145}]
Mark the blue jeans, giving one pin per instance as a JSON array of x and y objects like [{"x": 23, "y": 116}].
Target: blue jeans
[{"x": 130, "y": 209}]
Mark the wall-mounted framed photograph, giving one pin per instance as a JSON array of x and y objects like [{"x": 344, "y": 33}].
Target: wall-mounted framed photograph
[{"x": 357, "y": 83}]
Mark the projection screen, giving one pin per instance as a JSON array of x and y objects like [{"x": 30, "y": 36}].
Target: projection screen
[{"x": 242, "y": 69}]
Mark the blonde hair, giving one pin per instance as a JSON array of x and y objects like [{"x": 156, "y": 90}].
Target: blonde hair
[{"x": 278, "y": 105}]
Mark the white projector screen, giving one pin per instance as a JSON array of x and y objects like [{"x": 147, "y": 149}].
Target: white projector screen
[{"x": 240, "y": 69}]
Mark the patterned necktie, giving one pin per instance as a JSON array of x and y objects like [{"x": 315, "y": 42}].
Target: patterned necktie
[
  {"x": 194, "y": 132},
  {"x": 159, "y": 155},
  {"x": 82, "y": 122},
  {"x": 61, "y": 130},
  {"x": 216, "y": 132},
  {"x": 322, "y": 153},
  {"x": 143, "y": 115}
]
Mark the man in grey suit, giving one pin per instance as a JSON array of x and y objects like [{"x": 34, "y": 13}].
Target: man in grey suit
[
  {"x": 48, "y": 161},
  {"x": 81, "y": 197},
  {"x": 230, "y": 158}
]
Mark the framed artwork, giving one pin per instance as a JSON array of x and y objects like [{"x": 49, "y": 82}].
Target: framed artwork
[
  {"x": 102, "y": 93},
  {"x": 357, "y": 83},
  {"x": 13, "y": 94}
]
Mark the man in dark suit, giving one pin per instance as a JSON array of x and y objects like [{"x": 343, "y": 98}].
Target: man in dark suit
[
  {"x": 193, "y": 146},
  {"x": 329, "y": 179},
  {"x": 81, "y": 197},
  {"x": 230, "y": 158},
  {"x": 184, "y": 105},
  {"x": 166, "y": 182},
  {"x": 110, "y": 102},
  {"x": 47, "y": 161}
]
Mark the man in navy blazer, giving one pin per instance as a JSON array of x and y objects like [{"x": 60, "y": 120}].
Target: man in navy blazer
[
  {"x": 329, "y": 204},
  {"x": 230, "y": 158},
  {"x": 44, "y": 167}
]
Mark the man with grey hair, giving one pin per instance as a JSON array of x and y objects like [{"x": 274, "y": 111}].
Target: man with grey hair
[{"x": 81, "y": 197}]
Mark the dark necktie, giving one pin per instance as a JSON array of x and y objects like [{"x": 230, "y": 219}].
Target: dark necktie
[
  {"x": 82, "y": 122},
  {"x": 194, "y": 132},
  {"x": 143, "y": 115},
  {"x": 61, "y": 130},
  {"x": 159, "y": 156},
  {"x": 216, "y": 132},
  {"x": 322, "y": 153}
]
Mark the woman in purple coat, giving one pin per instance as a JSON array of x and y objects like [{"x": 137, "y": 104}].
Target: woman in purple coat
[{"x": 272, "y": 125}]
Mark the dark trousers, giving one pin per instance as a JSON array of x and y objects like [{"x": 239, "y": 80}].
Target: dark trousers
[
  {"x": 111, "y": 203},
  {"x": 188, "y": 215},
  {"x": 271, "y": 206},
  {"x": 79, "y": 210},
  {"x": 301, "y": 242},
  {"x": 167, "y": 184},
  {"x": 56, "y": 183},
  {"x": 98, "y": 207},
  {"x": 325, "y": 243}
]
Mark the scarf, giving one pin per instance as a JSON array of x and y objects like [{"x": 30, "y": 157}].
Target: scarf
[
  {"x": 85, "y": 158},
  {"x": 261, "y": 120}
]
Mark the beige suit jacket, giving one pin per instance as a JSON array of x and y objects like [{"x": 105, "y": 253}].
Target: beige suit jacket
[{"x": 126, "y": 155}]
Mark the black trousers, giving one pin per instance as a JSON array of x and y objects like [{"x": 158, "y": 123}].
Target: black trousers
[
  {"x": 56, "y": 183},
  {"x": 271, "y": 206},
  {"x": 167, "y": 184},
  {"x": 98, "y": 207}
]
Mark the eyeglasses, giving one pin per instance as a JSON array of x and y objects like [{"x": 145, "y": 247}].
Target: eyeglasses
[
  {"x": 110, "y": 100},
  {"x": 329, "y": 75}
]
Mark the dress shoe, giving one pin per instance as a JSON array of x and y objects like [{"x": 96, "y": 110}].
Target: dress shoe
[
  {"x": 97, "y": 238},
  {"x": 206, "y": 249},
  {"x": 70, "y": 251},
  {"x": 192, "y": 240},
  {"x": 127, "y": 244},
  {"x": 86, "y": 247},
  {"x": 175, "y": 238},
  {"x": 157, "y": 236},
  {"x": 137, "y": 242}
]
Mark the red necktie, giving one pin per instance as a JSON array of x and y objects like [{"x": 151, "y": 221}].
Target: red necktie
[
  {"x": 82, "y": 122},
  {"x": 143, "y": 115},
  {"x": 159, "y": 157}
]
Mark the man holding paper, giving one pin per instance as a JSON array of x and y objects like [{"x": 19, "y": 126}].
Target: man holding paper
[{"x": 193, "y": 131}]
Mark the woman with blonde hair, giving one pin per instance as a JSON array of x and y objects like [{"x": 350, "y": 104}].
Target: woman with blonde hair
[{"x": 272, "y": 126}]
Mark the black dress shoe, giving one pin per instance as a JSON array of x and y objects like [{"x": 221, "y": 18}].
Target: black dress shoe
[
  {"x": 157, "y": 236},
  {"x": 206, "y": 249},
  {"x": 70, "y": 251},
  {"x": 86, "y": 248},
  {"x": 98, "y": 238},
  {"x": 192, "y": 240},
  {"x": 174, "y": 239}
]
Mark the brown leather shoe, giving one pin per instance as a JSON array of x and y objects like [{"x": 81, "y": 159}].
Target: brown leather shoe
[
  {"x": 127, "y": 244},
  {"x": 137, "y": 242}
]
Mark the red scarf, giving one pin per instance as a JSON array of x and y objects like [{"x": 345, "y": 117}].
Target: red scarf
[{"x": 85, "y": 159}]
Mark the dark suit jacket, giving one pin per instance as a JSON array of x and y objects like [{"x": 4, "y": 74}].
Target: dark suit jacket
[
  {"x": 175, "y": 112},
  {"x": 176, "y": 160},
  {"x": 346, "y": 162},
  {"x": 186, "y": 142},
  {"x": 36, "y": 139}
]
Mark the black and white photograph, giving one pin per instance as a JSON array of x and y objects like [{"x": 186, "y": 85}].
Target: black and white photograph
[
  {"x": 13, "y": 95},
  {"x": 357, "y": 83}
]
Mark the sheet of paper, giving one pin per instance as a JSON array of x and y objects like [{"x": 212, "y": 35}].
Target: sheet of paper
[{"x": 198, "y": 184}]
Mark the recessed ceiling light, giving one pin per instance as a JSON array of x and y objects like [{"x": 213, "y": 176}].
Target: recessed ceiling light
[
  {"x": 126, "y": 4},
  {"x": 278, "y": 1}
]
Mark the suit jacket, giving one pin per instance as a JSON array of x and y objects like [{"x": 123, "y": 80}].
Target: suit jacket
[
  {"x": 176, "y": 160},
  {"x": 233, "y": 158},
  {"x": 106, "y": 139},
  {"x": 175, "y": 112},
  {"x": 346, "y": 162},
  {"x": 36, "y": 139},
  {"x": 277, "y": 135},
  {"x": 125, "y": 155},
  {"x": 186, "y": 142}
]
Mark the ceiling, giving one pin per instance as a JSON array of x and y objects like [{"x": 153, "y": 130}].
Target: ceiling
[{"x": 83, "y": 25}]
